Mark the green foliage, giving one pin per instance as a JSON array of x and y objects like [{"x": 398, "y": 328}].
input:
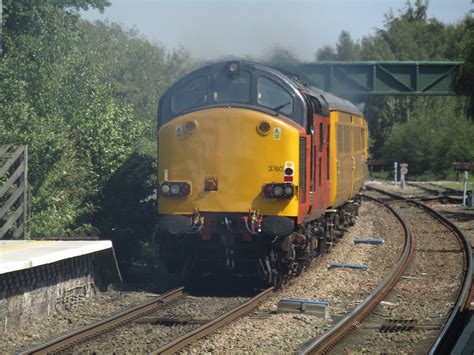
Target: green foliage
[
  {"x": 433, "y": 138},
  {"x": 414, "y": 129},
  {"x": 84, "y": 97},
  {"x": 53, "y": 99},
  {"x": 278, "y": 56},
  {"x": 126, "y": 211},
  {"x": 346, "y": 49},
  {"x": 137, "y": 70},
  {"x": 463, "y": 43}
]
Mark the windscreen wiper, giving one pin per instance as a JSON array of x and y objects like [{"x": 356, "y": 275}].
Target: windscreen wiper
[{"x": 278, "y": 108}]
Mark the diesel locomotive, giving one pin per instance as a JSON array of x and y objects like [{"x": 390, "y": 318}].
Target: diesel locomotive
[{"x": 258, "y": 172}]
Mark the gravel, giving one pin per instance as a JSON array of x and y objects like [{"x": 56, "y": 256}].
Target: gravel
[
  {"x": 56, "y": 323},
  {"x": 266, "y": 331},
  {"x": 147, "y": 337},
  {"x": 432, "y": 282},
  {"x": 425, "y": 294}
]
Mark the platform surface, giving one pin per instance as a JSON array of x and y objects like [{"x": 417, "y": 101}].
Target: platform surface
[{"x": 23, "y": 254}]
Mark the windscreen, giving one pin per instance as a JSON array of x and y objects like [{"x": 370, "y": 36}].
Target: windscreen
[{"x": 232, "y": 87}]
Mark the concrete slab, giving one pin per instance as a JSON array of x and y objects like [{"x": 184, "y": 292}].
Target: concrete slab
[{"x": 18, "y": 255}]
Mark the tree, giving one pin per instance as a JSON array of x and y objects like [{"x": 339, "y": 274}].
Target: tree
[
  {"x": 52, "y": 98},
  {"x": 399, "y": 126},
  {"x": 346, "y": 50},
  {"x": 281, "y": 57},
  {"x": 137, "y": 70}
]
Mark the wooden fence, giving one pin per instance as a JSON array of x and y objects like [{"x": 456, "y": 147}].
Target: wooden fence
[{"x": 13, "y": 191}]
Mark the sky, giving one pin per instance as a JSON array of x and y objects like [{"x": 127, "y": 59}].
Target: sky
[{"x": 210, "y": 29}]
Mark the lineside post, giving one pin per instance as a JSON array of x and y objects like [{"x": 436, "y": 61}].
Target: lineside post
[
  {"x": 464, "y": 193},
  {"x": 395, "y": 172}
]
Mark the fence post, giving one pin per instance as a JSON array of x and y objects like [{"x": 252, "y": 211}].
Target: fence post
[
  {"x": 14, "y": 210},
  {"x": 23, "y": 180}
]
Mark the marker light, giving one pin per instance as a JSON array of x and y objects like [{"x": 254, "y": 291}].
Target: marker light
[
  {"x": 263, "y": 127},
  {"x": 233, "y": 67},
  {"x": 289, "y": 171},
  {"x": 277, "y": 190},
  {"x": 175, "y": 189},
  {"x": 190, "y": 126}
]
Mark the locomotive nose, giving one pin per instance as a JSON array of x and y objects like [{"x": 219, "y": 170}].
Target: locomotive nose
[{"x": 228, "y": 156}]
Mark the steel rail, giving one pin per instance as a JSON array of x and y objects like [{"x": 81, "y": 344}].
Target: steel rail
[
  {"x": 445, "y": 340},
  {"x": 65, "y": 341},
  {"x": 340, "y": 330},
  {"x": 212, "y": 326}
]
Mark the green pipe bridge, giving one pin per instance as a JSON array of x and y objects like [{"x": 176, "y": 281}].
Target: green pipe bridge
[{"x": 360, "y": 79}]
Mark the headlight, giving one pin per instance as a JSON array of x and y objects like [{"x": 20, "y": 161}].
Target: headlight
[
  {"x": 165, "y": 189},
  {"x": 174, "y": 189},
  {"x": 278, "y": 190}
]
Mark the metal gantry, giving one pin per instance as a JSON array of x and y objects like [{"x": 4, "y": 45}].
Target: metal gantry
[{"x": 358, "y": 79}]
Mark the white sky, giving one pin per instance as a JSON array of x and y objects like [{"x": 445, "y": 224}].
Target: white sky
[{"x": 213, "y": 28}]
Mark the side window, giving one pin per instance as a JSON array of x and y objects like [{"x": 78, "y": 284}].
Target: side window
[
  {"x": 273, "y": 96},
  {"x": 192, "y": 94},
  {"x": 229, "y": 88}
]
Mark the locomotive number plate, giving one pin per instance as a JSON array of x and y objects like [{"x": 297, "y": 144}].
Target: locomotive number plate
[{"x": 275, "y": 168}]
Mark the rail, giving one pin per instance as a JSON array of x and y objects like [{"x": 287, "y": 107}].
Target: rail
[
  {"x": 450, "y": 330},
  {"x": 87, "y": 332},
  {"x": 66, "y": 341},
  {"x": 212, "y": 326},
  {"x": 13, "y": 191},
  {"x": 341, "y": 329}
]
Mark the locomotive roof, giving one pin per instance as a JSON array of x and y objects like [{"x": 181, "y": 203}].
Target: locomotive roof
[
  {"x": 288, "y": 81},
  {"x": 334, "y": 102}
]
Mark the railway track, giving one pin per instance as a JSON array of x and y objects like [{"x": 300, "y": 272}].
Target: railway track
[
  {"x": 67, "y": 340},
  {"x": 79, "y": 339},
  {"x": 450, "y": 300}
]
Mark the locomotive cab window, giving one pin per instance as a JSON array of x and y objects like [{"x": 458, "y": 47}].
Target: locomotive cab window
[
  {"x": 273, "y": 96},
  {"x": 190, "y": 95},
  {"x": 232, "y": 87}
]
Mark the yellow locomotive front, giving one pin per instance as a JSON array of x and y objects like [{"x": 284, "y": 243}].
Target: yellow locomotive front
[
  {"x": 230, "y": 184},
  {"x": 227, "y": 155}
]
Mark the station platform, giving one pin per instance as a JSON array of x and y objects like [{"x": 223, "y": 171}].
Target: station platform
[
  {"x": 38, "y": 277},
  {"x": 23, "y": 254}
]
